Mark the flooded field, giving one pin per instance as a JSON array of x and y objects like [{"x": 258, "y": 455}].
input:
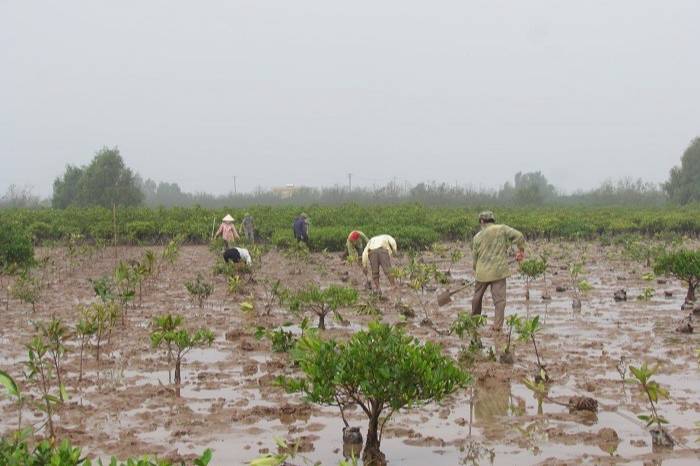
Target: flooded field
[{"x": 229, "y": 402}]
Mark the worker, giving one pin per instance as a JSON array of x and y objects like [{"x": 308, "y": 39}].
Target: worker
[
  {"x": 236, "y": 255},
  {"x": 355, "y": 244},
  {"x": 248, "y": 228},
  {"x": 377, "y": 253},
  {"x": 227, "y": 230},
  {"x": 301, "y": 228},
  {"x": 490, "y": 250}
]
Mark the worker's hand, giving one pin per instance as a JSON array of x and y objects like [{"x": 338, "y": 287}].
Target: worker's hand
[{"x": 519, "y": 256}]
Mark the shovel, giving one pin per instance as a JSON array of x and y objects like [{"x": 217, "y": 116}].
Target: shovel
[{"x": 446, "y": 296}]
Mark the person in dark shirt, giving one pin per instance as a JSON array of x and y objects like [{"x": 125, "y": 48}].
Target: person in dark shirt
[{"x": 301, "y": 228}]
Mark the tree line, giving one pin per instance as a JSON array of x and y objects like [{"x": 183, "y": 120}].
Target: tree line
[{"x": 107, "y": 181}]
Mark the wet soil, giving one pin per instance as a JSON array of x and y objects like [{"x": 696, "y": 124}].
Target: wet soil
[{"x": 229, "y": 402}]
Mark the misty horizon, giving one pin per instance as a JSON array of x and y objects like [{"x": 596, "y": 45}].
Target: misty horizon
[{"x": 465, "y": 93}]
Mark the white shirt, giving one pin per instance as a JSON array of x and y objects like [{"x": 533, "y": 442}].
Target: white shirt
[
  {"x": 378, "y": 242},
  {"x": 245, "y": 255}
]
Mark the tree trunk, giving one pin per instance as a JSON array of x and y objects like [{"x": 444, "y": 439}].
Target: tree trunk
[
  {"x": 178, "y": 363},
  {"x": 82, "y": 346},
  {"x": 322, "y": 321},
  {"x": 691, "y": 292},
  {"x": 527, "y": 290},
  {"x": 372, "y": 456}
]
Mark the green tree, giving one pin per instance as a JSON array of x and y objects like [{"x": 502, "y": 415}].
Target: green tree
[
  {"x": 65, "y": 188},
  {"x": 105, "y": 182},
  {"x": 684, "y": 265},
  {"x": 380, "y": 369},
  {"x": 683, "y": 185},
  {"x": 178, "y": 341},
  {"x": 322, "y": 302}
]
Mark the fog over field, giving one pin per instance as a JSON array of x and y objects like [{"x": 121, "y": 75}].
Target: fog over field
[{"x": 305, "y": 92}]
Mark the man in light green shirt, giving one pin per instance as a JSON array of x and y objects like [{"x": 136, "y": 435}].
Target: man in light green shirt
[{"x": 490, "y": 249}]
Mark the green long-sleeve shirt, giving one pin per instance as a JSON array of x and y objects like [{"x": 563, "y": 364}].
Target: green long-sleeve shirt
[
  {"x": 490, "y": 251},
  {"x": 355, "y": 247}
]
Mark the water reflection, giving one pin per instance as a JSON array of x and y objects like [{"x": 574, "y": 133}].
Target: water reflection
[{"x": 492, "y": 399}]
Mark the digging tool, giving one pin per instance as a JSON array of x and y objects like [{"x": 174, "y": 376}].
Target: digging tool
[
  {"x": 213, "y": 225},
  {"x": 446, "y": 296}
]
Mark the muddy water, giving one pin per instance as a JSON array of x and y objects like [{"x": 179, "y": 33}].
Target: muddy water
[{"x": 126, "y": 405}]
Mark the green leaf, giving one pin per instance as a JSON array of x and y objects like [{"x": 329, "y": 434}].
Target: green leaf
[
  {"x": 10, "y": 384},
  {"x": 64, "y": 393}
]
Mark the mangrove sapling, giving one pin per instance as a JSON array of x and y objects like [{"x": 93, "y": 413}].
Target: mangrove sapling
[
  {"x": 322, "y": 302},
  {"x": 234, "y": 285},
  {"x": 104, "y": 288},
  {"x": 646, "y": 294},
  {"x": 420, "y": 276},
  {"x": 653, "y": 391},
  {"x": 273, "y": 292},
  {"x": 579, "y": 286},
  {"x": 55, "y": 334},
  {"x": 171, "y": 252},
  {"x": 103, "y": 316},
  {"x": 467, "y": 326},
  {"x": 683, "y": 265},
  {"x": 456, "y": 256},
  {"x": 27, "y": 289},
  {"x": 40, "y": 373},
  {"x": 531, "y": 269},
  {"x": 527, "y": 329},
  {"x": 199, "y": 290},
  {"x": 282, "y": 340},
  {"x": 14, "y": 392},
  {"x": 381, "y": 369},
  {"x": 513, "y": 322},
  {"x": 125, "y": 281},
  {"x": 180, "y": 341},
  {"x": 163, "y": 325},
  {"x": 85, "y": 329}
]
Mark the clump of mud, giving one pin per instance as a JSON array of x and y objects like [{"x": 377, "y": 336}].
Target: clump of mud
[
  {"x": 620, "y": 295},
  {"x": 583, "y": 403}
]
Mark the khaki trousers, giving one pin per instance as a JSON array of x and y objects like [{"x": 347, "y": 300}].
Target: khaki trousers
[{"x": 498, "y": 293}]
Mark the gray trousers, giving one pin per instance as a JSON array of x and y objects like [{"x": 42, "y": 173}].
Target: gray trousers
[{"x": 498, "y": 293}]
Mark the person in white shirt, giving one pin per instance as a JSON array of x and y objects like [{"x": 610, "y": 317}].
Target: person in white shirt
[
  {"x": 236, "y": 255},
  {"x": 377, "y": 254}
]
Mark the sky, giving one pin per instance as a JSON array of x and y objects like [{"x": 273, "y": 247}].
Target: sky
[{"x": 304, "y": 92}]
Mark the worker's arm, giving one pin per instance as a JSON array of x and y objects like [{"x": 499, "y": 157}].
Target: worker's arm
[
  {"x": 475, "y": 254},
  {"x": 392, "y": 245},
  {"x": 518, "y": 239},
  {"x": 219, "y": 231},
  {"x": 365, "y": 257},
  {"x": 364, "y": 237},
  {"x": 235, "y": 232},
  {"x": 351, "y": 248}
]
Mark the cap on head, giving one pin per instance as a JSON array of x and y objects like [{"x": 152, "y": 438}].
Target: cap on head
[
  {"x": 228, "y": 218},
  {"x": 354, "y": 236},
  {"x": 303, "y": 214},
  {"x": 487, "y": 216}
]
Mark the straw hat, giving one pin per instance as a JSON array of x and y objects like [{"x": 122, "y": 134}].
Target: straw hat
[{"x": 228, "y": 218}]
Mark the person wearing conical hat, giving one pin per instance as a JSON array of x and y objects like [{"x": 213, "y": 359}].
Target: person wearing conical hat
[{"x": 227, "y": 230}]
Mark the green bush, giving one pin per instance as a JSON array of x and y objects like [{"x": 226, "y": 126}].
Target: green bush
[
  {"x": 142, "y": 231},
  {"x": 16, "y": 246}
]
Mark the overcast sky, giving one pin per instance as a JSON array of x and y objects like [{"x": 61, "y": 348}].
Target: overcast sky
[{"x": 304, "y": 92}]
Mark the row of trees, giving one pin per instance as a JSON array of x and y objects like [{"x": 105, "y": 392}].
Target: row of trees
[{"x": 107, "y": 181}]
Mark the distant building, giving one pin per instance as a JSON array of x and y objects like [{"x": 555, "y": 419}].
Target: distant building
[{"x": 285, "y": 192}]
